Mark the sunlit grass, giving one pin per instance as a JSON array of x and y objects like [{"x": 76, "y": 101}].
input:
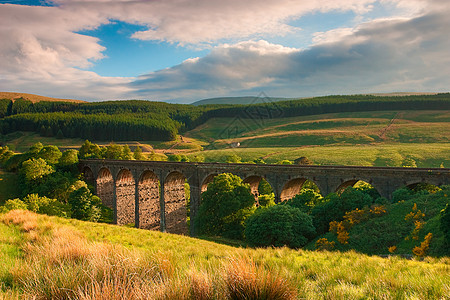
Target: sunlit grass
[{"x": 68, "y": 258}]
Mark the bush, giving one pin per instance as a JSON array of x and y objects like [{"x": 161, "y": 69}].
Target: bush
[
  {"x": 44, "y": 205},
  {"x": 12, "y": 204},
  {"x": 445, "y": 223},
  {"x": 279, "y": 225},
  {"x": 305, "y": 200}
]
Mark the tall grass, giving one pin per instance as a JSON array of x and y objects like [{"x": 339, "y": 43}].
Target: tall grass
[{"x": 68, "y": 259}]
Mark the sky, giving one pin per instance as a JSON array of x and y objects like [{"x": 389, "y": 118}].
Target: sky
[{"x": 183, "y": 51}]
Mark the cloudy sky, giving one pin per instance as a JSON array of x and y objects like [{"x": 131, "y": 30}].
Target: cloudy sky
[{"x": 180, "y": 50}]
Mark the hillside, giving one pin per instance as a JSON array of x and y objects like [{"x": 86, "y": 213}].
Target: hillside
[
  {"x": 101, "y": 261},
  {"x": 34, "y": 98}
]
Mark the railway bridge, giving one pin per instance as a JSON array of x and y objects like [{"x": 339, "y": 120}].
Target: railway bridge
[{"x": 153, "y": 194}]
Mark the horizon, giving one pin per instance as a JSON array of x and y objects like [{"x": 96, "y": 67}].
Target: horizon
[{"x": 185, "y": 51}]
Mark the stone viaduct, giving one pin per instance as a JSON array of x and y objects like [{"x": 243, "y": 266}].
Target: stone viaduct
[{"x": 152, "y": 195}]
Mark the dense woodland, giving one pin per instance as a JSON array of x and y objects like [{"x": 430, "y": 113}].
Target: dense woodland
[{"x": 146, "y": 120}]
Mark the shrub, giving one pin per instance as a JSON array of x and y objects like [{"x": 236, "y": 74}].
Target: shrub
[
  {"x": 266, "y": 200},
  {"x": 445, "y": 223},
  {"x": 44, "y": 205},
  {"x": 12, "y": 204},
  {"x": 279, "y": 225}
]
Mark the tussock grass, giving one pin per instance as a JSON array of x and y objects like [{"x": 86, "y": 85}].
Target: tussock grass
[{"x": 69, "y": 259}]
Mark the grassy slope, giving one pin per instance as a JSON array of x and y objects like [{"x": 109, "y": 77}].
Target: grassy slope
[
  {"x": 364, "y": 138},
  {"x": 33, "y": 98},
  {"x": 312, "y": 274}
]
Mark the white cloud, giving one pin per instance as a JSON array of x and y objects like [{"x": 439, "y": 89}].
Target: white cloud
[
  {"x": 41, "y": 51},
  {"x": 386, "y": 55}
]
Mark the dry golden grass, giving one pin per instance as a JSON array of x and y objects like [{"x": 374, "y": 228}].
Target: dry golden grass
[
  {"x": 59, "y": 262},
  {"x": 33, "y": 98}
]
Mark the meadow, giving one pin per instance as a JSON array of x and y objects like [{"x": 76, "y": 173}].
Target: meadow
[{"x": 49, "y": 257}]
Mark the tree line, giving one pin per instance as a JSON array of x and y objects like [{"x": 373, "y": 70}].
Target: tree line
[{"x": 148, "y": 120}]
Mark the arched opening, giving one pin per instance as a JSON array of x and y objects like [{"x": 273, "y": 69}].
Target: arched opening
[
  {"x": 253, "y": 181},
  {"x": 423, "y": 186},
  {"x": 360, "y": 185},
  {"x": 258, "y": 186},
  {"x": 207, "y": 181},
  {"x": 176, "y": 201},
  {"x": 88, "y": 177},
  {"x": 149, "y": 206},
  {"x": 105, "y": 187},
  {"x": 125, "y": 197},
  {"x": 294, "y": 186}
]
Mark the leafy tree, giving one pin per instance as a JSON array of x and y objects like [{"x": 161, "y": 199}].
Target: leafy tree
[
  {"x": 126, "y": 153},
  {"x": 137, "y": 154},
  {"x": 305, "y": 200},
  {"x": 303, "y": 161},
  {"x": 89, "y": 150},
  {"x": 85, "y": 206},
  {"x": 266, "y": 200},
  {"x": 279, "y": 225},
  {"x": 50, "y": 154},
  {"x": 334, "y": 206},
  {"x": 113, "y": 151},
  {"x": 225, "y": 204},
  {"x": 197, "y": 158},
  {"x": 36, "y": 148},
  {"x": 233, "y": 158},
  {"x": 36, "y": 169},
  {"x": 69, "y": 160},
  {"x": 264, "y": 187}
]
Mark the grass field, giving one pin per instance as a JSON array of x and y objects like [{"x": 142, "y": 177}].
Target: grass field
[
  {"x": 61, "y": 258},
  {"x": 328, "y": 129},
  {"x": 425, "y": 154}
]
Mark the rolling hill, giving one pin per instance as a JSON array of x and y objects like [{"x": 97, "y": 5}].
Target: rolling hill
[{"x": 34, "y": 98}]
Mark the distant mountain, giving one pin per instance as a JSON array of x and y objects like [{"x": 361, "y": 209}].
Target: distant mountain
[
  {"x": 33, "y": 98},
  {"x": 239, "y": 100}
]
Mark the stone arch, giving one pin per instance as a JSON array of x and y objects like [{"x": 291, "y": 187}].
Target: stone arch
[
  {"x": 253, "y": 181},
  {"x": 125, "y": 197},
  {"x": 149, "y": 206},
  {"x": 422, "y": 184},
  {"x": 88, "y": 176},
  {"x": 355, "y": 182},
  {"x": 105, "y": 187},
  {"x": 175, "y": 203},
  {"x": 293, "y": 187},
  {"x": 207, "y": 180}
]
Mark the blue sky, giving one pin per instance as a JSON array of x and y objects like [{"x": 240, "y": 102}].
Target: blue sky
[{"x": 182, "y": 51}]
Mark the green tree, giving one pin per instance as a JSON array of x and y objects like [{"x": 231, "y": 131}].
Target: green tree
[
  {"x": 114, "y": 151},
  {"x": 89, "y": 150},
  {"x": 233, "y": 158},
  {"x": 69, "y": 160},
  {"x": 264, "y": 187},
  {"x": 35, "y": 169},
  {"x": 50, "y": 154},
  {"x": 126, "y": 153},
  {"x": 284, "y": 162},
  {"x": 266, "y": 200},
  {"x": 305, "y": 200},
  {"x": 137, "y": 154},
  {"x": 85, "y": 206},
  {"x": 279, "y": 225},
  {"x": 225, "y": 205}
]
